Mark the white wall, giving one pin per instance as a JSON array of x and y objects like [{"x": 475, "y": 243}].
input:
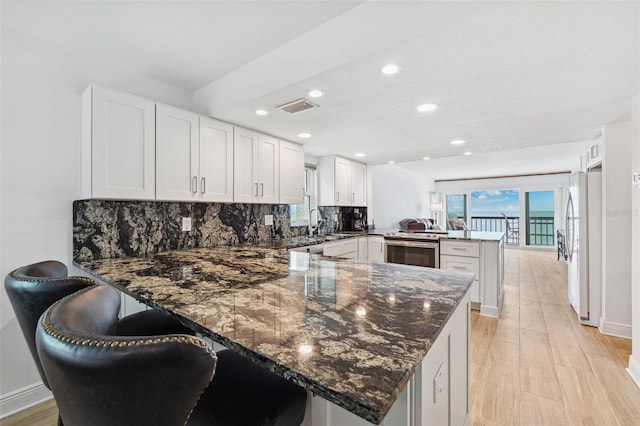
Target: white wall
[
  {"x": 634, "y": 359},
  {"x": 40, "y": 171},
  {"x": 396, "y": 194},
  {"x": 616, "y": 224}
]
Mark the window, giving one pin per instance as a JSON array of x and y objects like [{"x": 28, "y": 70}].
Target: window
[
  {"x": 492, "y": 210},
  {"x": 299, "y": 213},
  {"x": 456, "y": 207},
  {"x": 539, "y": 210}
]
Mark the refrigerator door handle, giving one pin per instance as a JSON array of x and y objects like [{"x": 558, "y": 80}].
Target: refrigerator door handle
[{"x": 570, "y": 225}]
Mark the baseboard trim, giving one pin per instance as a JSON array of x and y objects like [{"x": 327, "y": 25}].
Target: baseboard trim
[
  {"x": 614, "y": 329},
  {"x": 490, "y": 311},
  {"x": 634, "y": 369},
  {"x": 23, "y": 398}
]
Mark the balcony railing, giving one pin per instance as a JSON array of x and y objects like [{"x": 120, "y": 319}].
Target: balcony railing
[
  {"x": 540, "y": 230},
  {"x": 499, "y": 224}
]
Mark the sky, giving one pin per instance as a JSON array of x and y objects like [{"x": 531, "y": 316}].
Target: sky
[{"x": 500, "y": 201}]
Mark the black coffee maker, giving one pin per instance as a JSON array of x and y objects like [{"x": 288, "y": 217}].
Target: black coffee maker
[{"x": 357, "y": 222}]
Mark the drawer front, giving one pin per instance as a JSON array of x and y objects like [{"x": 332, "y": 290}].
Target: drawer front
[
  {"x": 460, "y": 264},
  {"x": 348, "y": 248},
  {"x": 460, "y": 248}
]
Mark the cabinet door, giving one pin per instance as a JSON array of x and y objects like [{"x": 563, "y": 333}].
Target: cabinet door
[
  {"x": 268, "y": 169},
  {"x": 216, "y": 161},
  {"x": 343, "y": 182},
  {"x": 363, "y": 248},
  {"x": 376, "y": 249},
  {"x": 245, "y": 171},
  {"x": 177, "y": 134},
  {"x": 358, "y": 184},
  {"x": 118, "y": 145},
  {"x": 291, "y": 173}
]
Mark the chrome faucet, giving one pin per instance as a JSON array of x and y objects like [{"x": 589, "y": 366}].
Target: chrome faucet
[{"x": 319, "y": 220}]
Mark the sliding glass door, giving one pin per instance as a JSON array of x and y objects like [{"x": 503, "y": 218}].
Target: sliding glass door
[
  {"x": 539, "y": 210},
  {"x": 456, "y": 207}
]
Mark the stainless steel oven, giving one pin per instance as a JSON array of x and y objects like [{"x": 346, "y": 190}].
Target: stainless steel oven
[{"x": 410, "y": 251}]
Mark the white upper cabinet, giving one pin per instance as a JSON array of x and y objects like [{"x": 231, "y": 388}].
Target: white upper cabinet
[
  {"x": 269, "y": 169},
  {"x": 291, "y": 173},
  {"x": 118, "y": 145},
  {"x": 177, "y": 136},
  {"x": 216, "y": 160},
  {"x": 134, "y": 148},
  {"x": 245, "y": 165},
  {"x": 256, "y": 167},
  {"x": 194, "y": 157},
  {"x": 358, "y": 184},
  {"x": 342, "y": 182}
]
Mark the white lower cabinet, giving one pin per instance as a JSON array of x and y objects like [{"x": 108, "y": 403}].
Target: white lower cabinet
[
  {"x": 363, "y": 248},
  {"x": 347, "y": 249},
  {"x": 437, "y": 393},
  {"x": 464, "y": 264},
  {"x": 485, "y": 259},
  {"x": 376, "y": 248}
]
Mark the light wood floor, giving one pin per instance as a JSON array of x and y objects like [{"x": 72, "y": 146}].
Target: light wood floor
[
  {"x": 537, "y": 365},
  {"x": 534, "y": 366}
]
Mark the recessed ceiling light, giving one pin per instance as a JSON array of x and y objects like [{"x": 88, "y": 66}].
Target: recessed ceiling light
[
  {"x": 360, "y": 154},
  {"x": 315, "y": 93},
  {"x": 458, "y": 142},
  {"x": 468, "y": 153},
  {"x": 391, "y": 162},
  {"x": 304, "y": 135},
  {"x": 426, "y": 158},
  {"x": 390, "y": 69},
  {"x": 426, "y": 107},
  {"x": 262, "y": 112}
]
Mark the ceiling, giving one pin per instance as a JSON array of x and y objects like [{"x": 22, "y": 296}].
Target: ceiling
[{"x": 526, "y": 84}]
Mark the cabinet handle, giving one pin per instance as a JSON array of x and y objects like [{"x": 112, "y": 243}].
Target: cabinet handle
[
  {"x": 202, "y": 185},
  {"x": 194, "y": 184},
  {"x": 262, "y": 189},
  {"x": 353, "y": 197},
  {"x": 256, "y": 184},
  {"x": 337, "y": 195}
]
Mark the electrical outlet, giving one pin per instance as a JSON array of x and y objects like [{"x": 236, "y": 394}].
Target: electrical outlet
[
  {"x": 268, "y": 219},
  {"x": 186, "y": 224}
]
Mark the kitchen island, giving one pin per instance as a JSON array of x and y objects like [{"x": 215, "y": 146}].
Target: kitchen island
[
  {"x": 368, "y": 340},
  {"x": 481, "y": 253}
]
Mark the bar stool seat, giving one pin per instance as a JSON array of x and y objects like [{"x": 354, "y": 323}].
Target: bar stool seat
[
  {"x": 32, "y": 289},
  {"x": 106, "y": 380},
  {"x": 243, "y": 393}
]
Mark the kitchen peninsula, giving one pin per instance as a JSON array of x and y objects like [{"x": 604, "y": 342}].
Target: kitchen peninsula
[{"x": 371, "y": 341}]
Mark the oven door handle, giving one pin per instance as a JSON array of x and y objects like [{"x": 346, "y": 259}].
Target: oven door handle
[{"x": 419, "y": 244}]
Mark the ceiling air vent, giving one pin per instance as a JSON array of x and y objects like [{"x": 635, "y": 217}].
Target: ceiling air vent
[{"x": 297, "y": 106}]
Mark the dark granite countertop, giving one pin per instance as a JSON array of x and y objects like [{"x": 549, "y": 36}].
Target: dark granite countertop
[{"x": 352, "y": 332}]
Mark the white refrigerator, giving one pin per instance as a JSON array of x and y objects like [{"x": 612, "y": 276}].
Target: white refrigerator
[{"x": 584, "y": 244}]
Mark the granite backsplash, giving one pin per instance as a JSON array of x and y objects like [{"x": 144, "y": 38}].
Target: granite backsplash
[{"x": 108, "y": 228}]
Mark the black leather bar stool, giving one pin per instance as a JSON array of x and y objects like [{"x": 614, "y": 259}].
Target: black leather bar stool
[
  {"x": 106, "y": 380},
  {"x": 34, "y": 288}
]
